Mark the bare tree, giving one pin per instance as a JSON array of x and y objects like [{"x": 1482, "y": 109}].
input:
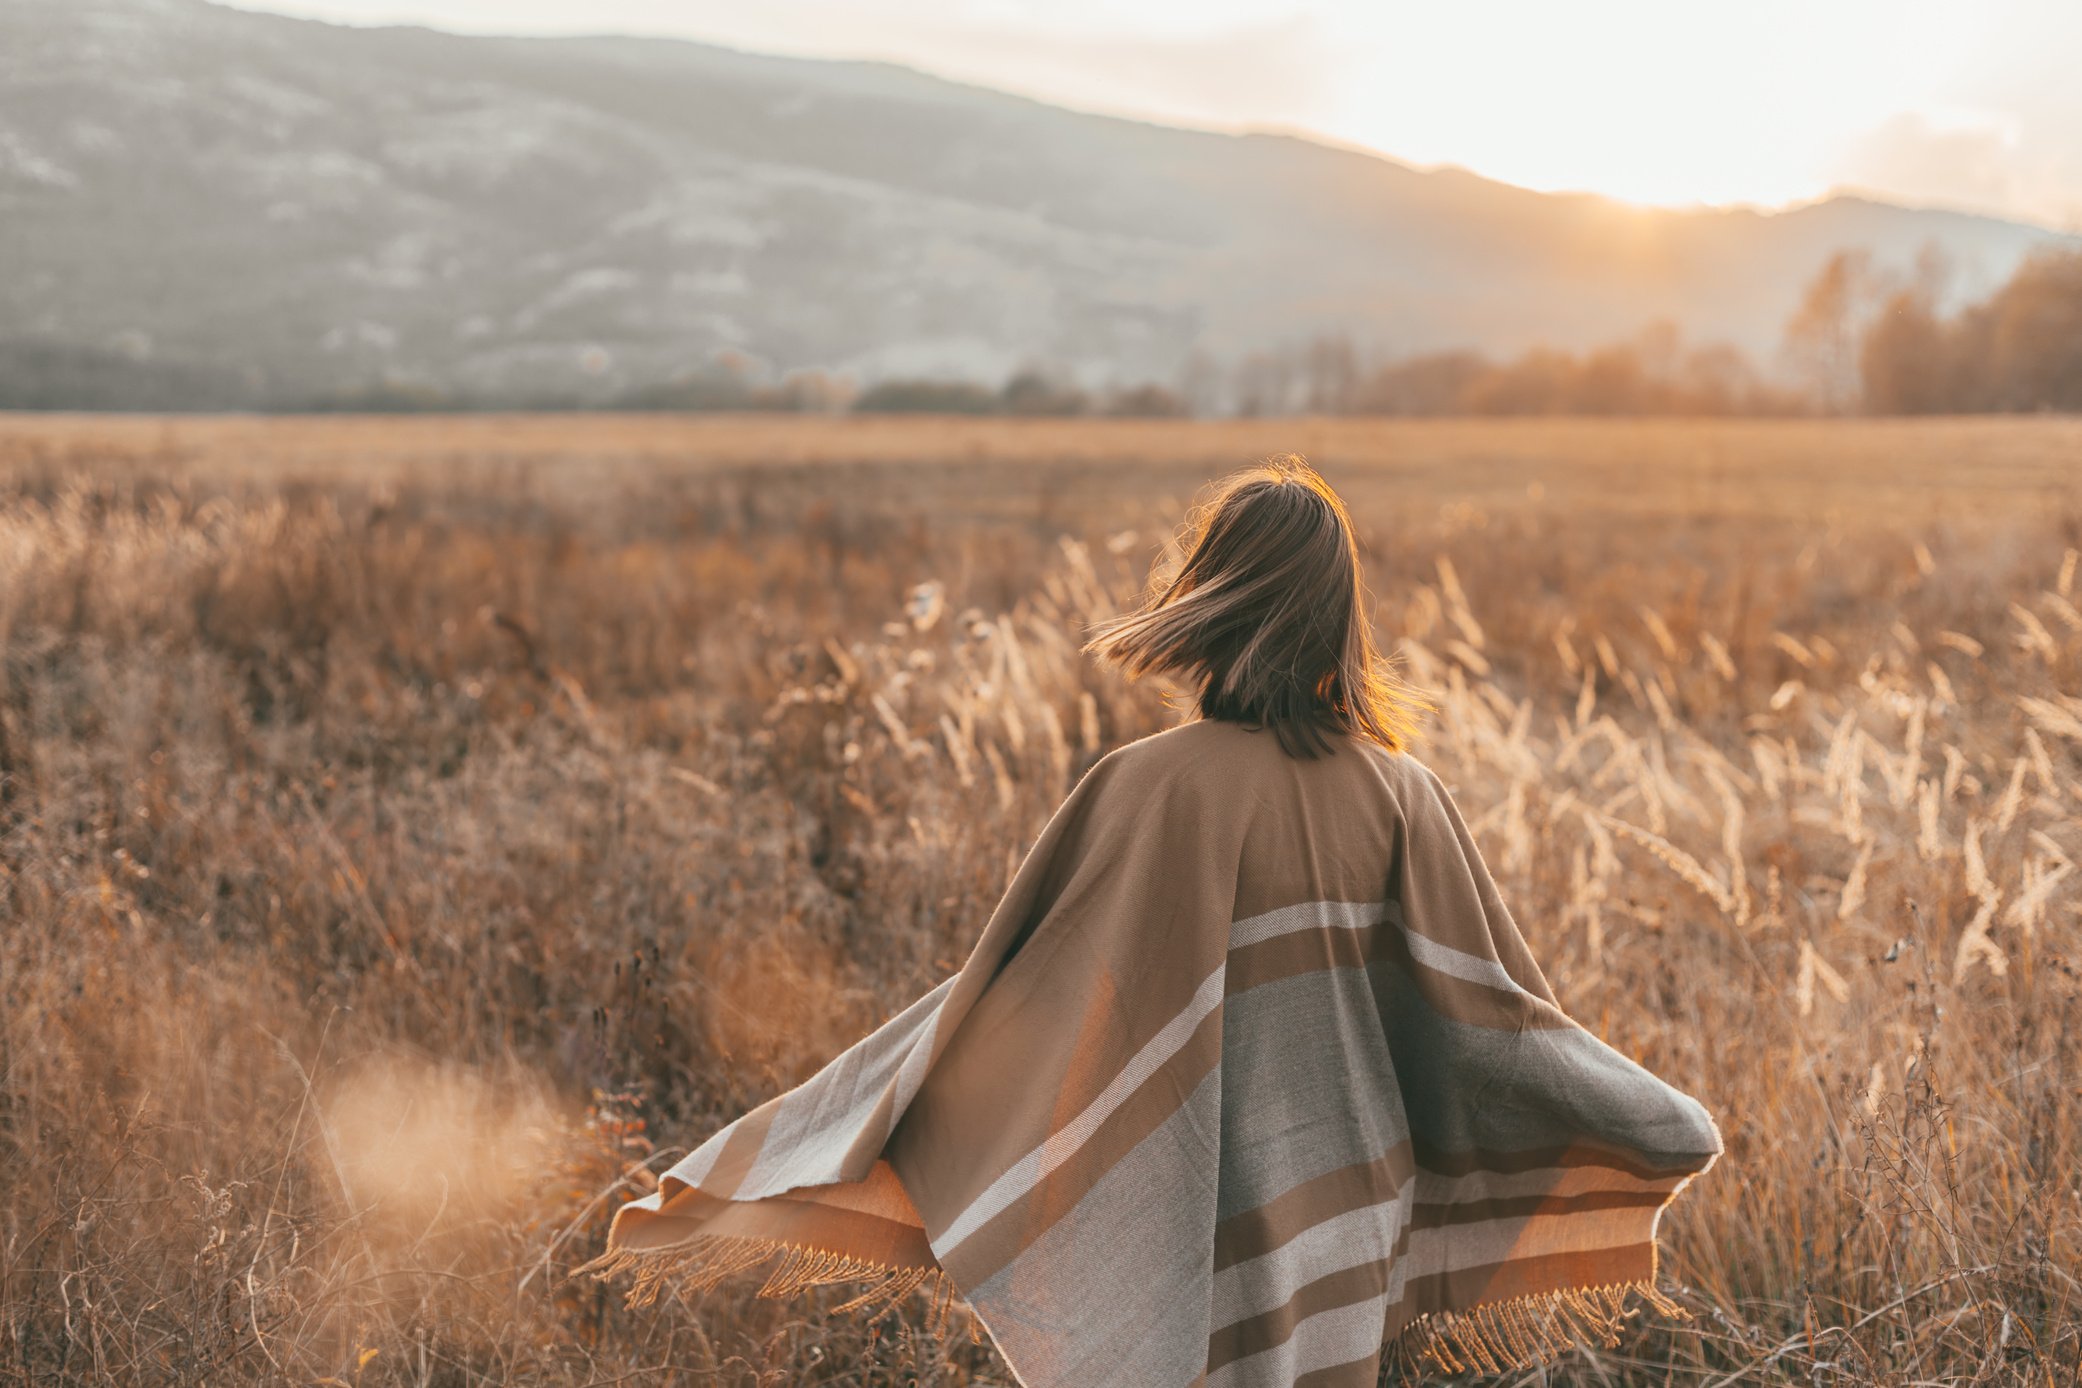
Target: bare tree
[
  {"x": 1331, "y": 368},
  {"x": 1904, "y": 362},
  {"x": 1824, "y": 334}
]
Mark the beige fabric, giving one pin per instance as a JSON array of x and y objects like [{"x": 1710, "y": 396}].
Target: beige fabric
[{"x": 1250, "y": 1080}]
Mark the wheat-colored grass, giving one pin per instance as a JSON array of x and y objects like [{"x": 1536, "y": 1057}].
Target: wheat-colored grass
[{"x": 415, "y": 834}]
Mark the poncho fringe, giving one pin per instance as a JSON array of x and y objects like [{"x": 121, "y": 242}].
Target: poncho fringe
[
  {"x": 1493, "y": 1337},
  {"x": 1249, "y": 1080},
  {"x": 705, "y": 1261},
  {"x": 1524, "y": 1332}
]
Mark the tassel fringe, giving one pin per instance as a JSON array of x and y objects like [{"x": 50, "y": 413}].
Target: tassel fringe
[
  {"x": 705, "y": 1261},
  {"x": 1519, "y": 1333},
  {"x": 1492, "y": 1338}
]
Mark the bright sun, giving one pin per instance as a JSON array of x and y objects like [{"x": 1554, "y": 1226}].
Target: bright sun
[
  {"x": 1653, "y": 101},
  {"x": 1647, "y": 101}
]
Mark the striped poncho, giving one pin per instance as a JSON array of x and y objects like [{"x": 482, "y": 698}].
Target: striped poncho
[{"x": 1250, "y": 1079}]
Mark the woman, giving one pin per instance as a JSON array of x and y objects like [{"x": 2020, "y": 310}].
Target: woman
[{"x": 1250, "y": 1078}]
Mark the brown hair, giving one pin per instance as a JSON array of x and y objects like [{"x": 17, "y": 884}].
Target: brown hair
[{"x": 1268, "y": 615}]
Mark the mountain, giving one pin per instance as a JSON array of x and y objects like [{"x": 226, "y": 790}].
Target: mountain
[{"x": 208, "y": 206}]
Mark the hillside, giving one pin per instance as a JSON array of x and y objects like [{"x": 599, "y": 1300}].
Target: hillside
[{"x": 205, "y": 206}]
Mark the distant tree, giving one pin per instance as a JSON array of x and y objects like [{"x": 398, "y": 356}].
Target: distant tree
[
  {"x": 2019, "y": 349},
  {"x": 1329, "y": 374},
  {"x": 1146, "y": 401},
  {"x": 1612, "y": 380},
  {"x": 1034, "y": 392},
  {"x": 726, "y": 380},
  {"x": 1264, "y": 385},
  {"x": 1435, "y": 384},
  {"x": 1654, "y": 373},
  {"x": 926, "y": 397},
  {"x": 1822, "y": 338},
  {"x": 1539, "y": 382},
  {"x": 1200, "y": 384},
  {"x": 1717, "y": 380},
  {"x": 708, "y": 389},
  {"x": 1932, "y": 275},
  {"x": 41, "y": 375},
  {"x": 2029, "y": 336},
  {"x": 813, "y": 392},
  {"x": 1659, "y": 348},
  {"x": 1905, "y": 365}
]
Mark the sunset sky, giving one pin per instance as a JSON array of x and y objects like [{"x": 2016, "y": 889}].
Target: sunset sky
[{"x": 1968, "y": 104}]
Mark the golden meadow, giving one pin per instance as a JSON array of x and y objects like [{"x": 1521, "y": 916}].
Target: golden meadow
[{"x": 415, "y": 834}]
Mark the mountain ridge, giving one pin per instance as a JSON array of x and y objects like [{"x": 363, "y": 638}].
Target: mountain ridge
[{"x": 299, "y": 210}]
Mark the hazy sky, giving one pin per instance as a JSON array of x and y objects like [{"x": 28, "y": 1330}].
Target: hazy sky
[{"x": 1971, "y": 103}]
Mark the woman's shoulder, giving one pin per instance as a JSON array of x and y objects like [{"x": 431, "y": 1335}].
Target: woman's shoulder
[
  {"x": 1223, "y": 750},
  {"x": 1192, "y": 745}
]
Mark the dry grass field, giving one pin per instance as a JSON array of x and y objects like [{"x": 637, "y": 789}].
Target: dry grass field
[{"x": 414, "y": 834}]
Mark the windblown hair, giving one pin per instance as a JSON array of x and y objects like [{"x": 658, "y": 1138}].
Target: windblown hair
[{"x": 1267, "y": 615}]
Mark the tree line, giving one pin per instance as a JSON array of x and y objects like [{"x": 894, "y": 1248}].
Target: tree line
[
  {"x": 2018, "y": 350},
  {"x": 1862, "y": 340}
]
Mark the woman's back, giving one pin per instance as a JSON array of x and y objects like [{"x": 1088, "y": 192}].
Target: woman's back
[
  {"x": 1249, "y": 1078},
  {"x": 1273, "y": 1008}
]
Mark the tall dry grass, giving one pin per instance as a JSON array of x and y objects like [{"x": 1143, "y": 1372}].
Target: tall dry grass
[{"x": 401, "y": 865}]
